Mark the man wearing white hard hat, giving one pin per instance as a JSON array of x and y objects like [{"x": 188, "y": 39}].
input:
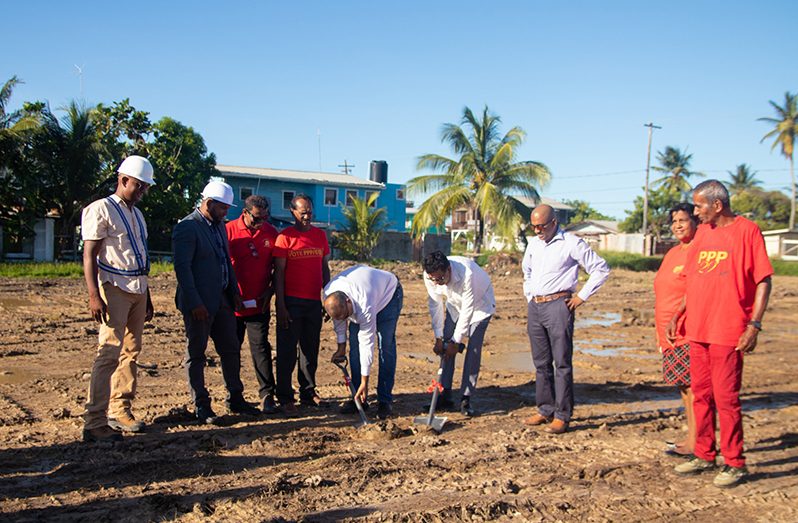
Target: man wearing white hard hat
[
  {"x": 207, "y": 295},
  {"x": 115, "y": 265}
]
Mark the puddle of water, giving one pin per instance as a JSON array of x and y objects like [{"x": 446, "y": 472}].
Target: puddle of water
[
  {"x": 602, "y": 319},
  {"x": 615, "y": 351},
  {"x": 9, "y": 377}
]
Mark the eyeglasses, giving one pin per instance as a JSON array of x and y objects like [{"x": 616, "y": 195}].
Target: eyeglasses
[
  {"x": 438, "y": 279},
  {"x": 256, "y": 219},
  {"x": 541, "y": 226},
  {"x": 253, "y": 250}
]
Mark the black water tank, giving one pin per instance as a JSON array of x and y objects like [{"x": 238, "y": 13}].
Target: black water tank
[{"x": 378, "y": 171}]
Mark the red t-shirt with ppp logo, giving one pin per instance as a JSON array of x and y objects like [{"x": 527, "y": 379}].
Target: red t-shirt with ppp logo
[
  {"x": 303, "y": 252},
  {"x": 723, "y": 268}
]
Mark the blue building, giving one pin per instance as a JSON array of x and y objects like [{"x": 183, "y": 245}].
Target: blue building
[{"x": 329, "y": 191}]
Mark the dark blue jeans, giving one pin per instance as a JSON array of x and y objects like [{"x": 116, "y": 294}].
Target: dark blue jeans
[{"x": 387, "y": 319}]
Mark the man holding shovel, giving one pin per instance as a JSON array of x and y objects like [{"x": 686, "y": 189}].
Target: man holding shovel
[
  {"x": 370, "y": 300},
  {"x": 461, "y": 304}
]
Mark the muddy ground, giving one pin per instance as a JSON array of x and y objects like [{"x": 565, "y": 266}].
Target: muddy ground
[{"x": 609, "y": 467}]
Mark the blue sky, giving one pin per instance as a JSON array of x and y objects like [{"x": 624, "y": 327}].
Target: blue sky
[{"x": 260, "y": 80}]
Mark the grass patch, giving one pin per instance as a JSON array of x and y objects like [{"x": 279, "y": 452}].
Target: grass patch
[
  {"x": 631, "y": 261},
  {"x": 784, "y": 268},
  {"x": 60, "y": 269}
]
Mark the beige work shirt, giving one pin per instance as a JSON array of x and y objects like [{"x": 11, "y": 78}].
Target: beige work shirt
[{"x": 123, "y": 233}]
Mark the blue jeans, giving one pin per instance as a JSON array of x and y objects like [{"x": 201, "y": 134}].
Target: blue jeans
[{"x": 387, "y": 319}]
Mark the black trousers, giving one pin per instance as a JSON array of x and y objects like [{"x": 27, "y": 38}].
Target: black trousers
[
  {"x": 304, "y": 329},
  {"x": 221, "y": 328},
  {"x": 256, "y": 328}
]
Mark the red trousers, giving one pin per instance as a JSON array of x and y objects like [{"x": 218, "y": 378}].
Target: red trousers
[{"x": 716, "y": 372}]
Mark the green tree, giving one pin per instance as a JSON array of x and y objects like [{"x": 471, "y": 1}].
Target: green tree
[
  {"x": 783, "y": 133},
  {"x": 660, "y": 200},
  {"x": 363, "y": 228},
  {"x": 182, "y": 167},
  {"x": 742, "y": 179},
  {"x": 676, "y": 164},
  {"x": 583, "y": 211},
  {"x": 769, "y": 209},
  {"x": 122, "y": 130},
  {"x": 484, "y": 176}
]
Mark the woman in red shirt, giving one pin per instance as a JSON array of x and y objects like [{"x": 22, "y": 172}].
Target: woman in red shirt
[{"x": 669, "y": 289}]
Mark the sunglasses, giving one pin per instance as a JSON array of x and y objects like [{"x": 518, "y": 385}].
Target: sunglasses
[
  {"x": 541, "y": 226},
  {"x": 256, "y": 219}
]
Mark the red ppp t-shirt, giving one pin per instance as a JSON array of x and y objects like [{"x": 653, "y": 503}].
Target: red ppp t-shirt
[
  {"x": 669, "y": 287},
  {"x": 723, "y": 269},
  {"x": 303, "y": 252},
  {"x": 251, "y": 256}
]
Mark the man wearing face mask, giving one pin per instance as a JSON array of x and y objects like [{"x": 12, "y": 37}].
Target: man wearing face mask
[
  {"x": 207, "y": 295},
  {"x": 115, "y": 265},
  {"x": 251, "y": 239}
]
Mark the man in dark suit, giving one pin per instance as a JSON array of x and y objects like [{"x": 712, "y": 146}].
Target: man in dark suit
[{"x": 207, "y": 295}]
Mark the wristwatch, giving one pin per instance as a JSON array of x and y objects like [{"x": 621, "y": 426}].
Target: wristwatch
[{"x": 756, "y": 324}]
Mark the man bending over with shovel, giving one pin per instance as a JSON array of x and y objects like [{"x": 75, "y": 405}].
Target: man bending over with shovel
[
  {"x": 461, "y": 304},
  {"x": 370, "y": 300}
]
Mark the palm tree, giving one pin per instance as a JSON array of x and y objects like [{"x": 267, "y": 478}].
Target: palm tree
[
  {"x": 677, "y": 164},
  {"x": 742, "y": 179},
  {"x": 485, "y": 176},
  {"x": 14, "y": 123},
  {"x": 785, "y": 127},
  {"x": 363, "y": 228}
]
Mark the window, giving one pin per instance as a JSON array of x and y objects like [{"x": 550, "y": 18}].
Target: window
[
  {"x": 287, "y": 197},
  {"x": 349, "y": 195},
  {"x": 330, "y": 197},
  {"x": 368, "y": 195},
  {"x": 400, "y": 194},
  {"x": 245, "y": 192}
]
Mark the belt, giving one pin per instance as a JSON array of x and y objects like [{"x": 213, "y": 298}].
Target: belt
[{"x": 551, "y": 297}]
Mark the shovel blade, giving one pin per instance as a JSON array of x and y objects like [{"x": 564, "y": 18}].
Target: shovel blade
[{"x": 436, "y": 424}]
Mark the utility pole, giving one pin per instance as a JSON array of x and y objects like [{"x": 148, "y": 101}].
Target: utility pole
[
  {"x": 346, "y": 167},
  {"x": 651, "y": 128}
]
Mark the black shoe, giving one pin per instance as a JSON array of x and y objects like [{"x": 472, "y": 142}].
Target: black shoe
[
  {"x": 349, "y": 407},
  {"x": 314, "y": 401},
  {"x": 384, "y": 410},
  {"x": 242, "y": 407},
  {"x": 465, "y": 407},
  {"x": 268, "y": 406},
  {"x": 206, "y": 415},
  {"x": 104, "y": 433},
  {"x": 444, "y": 401}
]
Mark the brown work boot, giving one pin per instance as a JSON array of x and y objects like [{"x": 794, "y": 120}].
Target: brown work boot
[
  {"x": 557, "y": 426},
  {"x": 126, "y": 423},
  {"x": 104, "y": 433},
  {"x": 537, "y": 419}
]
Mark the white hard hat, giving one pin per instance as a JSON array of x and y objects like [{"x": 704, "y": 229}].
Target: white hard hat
[
  {"x": 137, "y": 167},
  {"x": 219, "y": 191}
]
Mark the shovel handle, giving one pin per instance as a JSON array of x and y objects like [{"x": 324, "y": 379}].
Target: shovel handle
[
  {"x": 341, "y": 364},
  {"x": 435, "y": 391}
]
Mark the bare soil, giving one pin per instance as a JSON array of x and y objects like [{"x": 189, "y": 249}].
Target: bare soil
[{"x": 609, "y": 467}]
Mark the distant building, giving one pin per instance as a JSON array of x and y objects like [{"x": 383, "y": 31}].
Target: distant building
[
  {"x": 329, "y": 191},
  {"x": 782, "y": 243}
]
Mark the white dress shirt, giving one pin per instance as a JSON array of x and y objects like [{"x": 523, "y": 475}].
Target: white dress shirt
[
  {"x": 370, "y": 290},
  {"x": 468, "y": 297},
  {"x": 553, "y": 267}
]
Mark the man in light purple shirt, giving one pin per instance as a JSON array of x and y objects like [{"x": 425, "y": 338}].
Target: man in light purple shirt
[
  {"x": 551, "y": 269},
  {"x": 370, "y": 300}
]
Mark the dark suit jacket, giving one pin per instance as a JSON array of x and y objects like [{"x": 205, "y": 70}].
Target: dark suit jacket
[{"x": 199, "y": 274}]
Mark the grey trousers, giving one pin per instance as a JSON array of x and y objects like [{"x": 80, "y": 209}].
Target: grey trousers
[
  {"x": 550, "y": 327},
  {"x": 221, "y": 328},
  {"x": 473, "y": 356}
]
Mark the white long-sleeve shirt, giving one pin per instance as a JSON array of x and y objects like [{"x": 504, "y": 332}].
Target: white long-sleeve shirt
[
  {"x": 468, "y": 297},
  {"x": 370, "y": 290},
  {"x": 553, "y": 267}
]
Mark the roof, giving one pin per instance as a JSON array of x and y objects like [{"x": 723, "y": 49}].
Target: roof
[
  {"x": 594, "y": 227},
  {"x": 532, "y": 203},
  {"x": 321, "y": 178}
]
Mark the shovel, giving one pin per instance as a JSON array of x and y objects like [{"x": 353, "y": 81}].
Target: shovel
[
  {"x": 435, "y": 422},
  {"x": 341, "y": 364}
]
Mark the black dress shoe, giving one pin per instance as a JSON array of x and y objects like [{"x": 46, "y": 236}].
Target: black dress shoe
[
  {"x": 268, "y": 406},
  {"x": 206, "y": 416},
  {"x": 242, "y": 407},
  {"x": 384, "y": 410},
  {"x": 465, "y": 407},
  {"x": 104, "y": 433}
]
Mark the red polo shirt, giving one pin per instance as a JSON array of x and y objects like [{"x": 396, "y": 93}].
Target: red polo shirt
[
  {"x": 304, "y": 252},
  {"x": 251, "y": 255}
]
